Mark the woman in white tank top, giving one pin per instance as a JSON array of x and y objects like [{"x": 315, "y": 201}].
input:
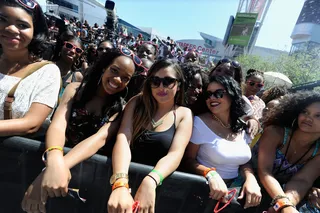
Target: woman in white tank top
[{"x": 219, "y": 144}]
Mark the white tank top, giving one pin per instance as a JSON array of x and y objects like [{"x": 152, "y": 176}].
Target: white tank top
[{"x": 226, "y": 156}]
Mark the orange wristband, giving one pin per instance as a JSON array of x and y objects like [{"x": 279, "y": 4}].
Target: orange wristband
[
  {"x": 208, "y": 170},
  {"x": 119, "y": 184}
]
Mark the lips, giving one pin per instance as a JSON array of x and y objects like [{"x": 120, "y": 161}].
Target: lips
[
  {"x": 307, "y": 124},
  {"x": 214, "y": 104},
  {"x": 161, "y": 94},
  {"x": 10, "y": 39},
  {"x": 113, "y": 86}
]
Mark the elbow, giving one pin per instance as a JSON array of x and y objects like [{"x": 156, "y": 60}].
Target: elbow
[{"x": 31, "y": 130}]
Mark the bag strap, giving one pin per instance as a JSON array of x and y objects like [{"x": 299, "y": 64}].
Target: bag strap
[{"x": 7, "y": 107}]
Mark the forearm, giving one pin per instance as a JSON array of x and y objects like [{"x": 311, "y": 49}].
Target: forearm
[
  {"x": 271, "y": 184},
  {"x": 121, "y": 155},
  {"x": 195, "y": 166},
  {"x": 168, "y": 164},
  {"x": 55, "y": 136},
  {"x": 247, "y": 171},
  {"x": 296, "y": 190},
  {"x": 16, "y": 127}
]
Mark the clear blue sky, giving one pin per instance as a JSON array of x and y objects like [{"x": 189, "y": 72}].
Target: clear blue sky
[{"x": 183, "y": 19}]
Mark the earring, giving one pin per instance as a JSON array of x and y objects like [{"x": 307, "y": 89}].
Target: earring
[
  {"x": 293, "y": 122},
  {"x": 99, "y": 80}
]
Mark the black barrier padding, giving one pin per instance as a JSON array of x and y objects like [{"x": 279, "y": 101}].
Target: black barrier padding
[{"x": 20, "y": 163}]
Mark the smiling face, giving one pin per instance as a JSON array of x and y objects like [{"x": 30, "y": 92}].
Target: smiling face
[
  {"x": 218, "y": 105},
  {"x": 309, "y": 119},
  {"x": 117, "y": 76},
  {"x": 16, "y": 28},
  {"x": 194, "y": 89},
  {"x": 147, "y": 51},
  {"x": 254, "y": 84},
  {"x": 70, "y": 55}
]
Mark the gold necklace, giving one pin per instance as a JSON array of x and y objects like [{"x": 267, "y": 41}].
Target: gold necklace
[
  {"x": 228, "y": 126},
  {"x": 159, "y": 122}
]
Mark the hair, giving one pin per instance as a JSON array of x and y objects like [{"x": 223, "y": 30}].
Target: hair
[
  {"x": 291, "y": 105},
  {"x": 237, "y": 71},
  {"x": 237, "y": 103},
  {"x": 114, "y": 103},
  {"x": 146, "y": 105},
  {"x": 253, "y": 72},
  {"x": 37, "y": 45},
  {"x": 273, "y": 93},
  {"x": 105, "y": 41}
]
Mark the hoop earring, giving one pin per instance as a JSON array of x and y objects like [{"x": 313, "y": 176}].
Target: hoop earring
[
  {"x": 293, "y": 122},
  {"x": 99, "y": 80},
  {"x": 127, "y": 91}
]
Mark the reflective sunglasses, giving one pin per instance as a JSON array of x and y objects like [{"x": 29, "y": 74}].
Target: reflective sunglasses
[
  {"x": 235, "y": 64},
  {"x": 252, "y": 83},
  {"x": 74, "y": 193},
  {"x": 167, "y": 82},
  {"x": 28, "y": 4},
  {"x": 71, "y": 47},
  {"x": 217, "y": 94},
  {"x": 125, "y": 51}
]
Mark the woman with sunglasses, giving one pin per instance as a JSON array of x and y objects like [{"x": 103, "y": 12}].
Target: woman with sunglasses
[
  {"x": 254, "y": 83},
  {"x": 103, "y": 47},
  {"x": 23, "y": 32},
  {"x": 87, "y": 119},
  {"x": 158, "y": 129},
  {"x": 220, "y": 146},
  {"x": 289, "y": 152}
]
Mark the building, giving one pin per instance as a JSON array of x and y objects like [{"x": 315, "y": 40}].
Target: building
[{"x": 306, "y": 33}]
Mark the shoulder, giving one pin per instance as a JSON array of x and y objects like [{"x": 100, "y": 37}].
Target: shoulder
[
  {"x": 274, "y": 134},
  {"x": 72, "y": 88},
  {"x": 133, "y": 102}
]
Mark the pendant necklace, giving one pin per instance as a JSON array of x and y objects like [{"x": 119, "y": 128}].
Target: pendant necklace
[
  {"x": 228, "y": 126},
  {"x": 159, "y": 122}
]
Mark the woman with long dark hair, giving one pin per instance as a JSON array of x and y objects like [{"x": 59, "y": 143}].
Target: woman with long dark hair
[
  {"x": 87, "y": 118},
  {"x": 158, "y": 129}
]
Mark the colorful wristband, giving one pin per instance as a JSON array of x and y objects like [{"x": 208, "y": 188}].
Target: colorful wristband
[
  {"x": 282, "y": 204},
  {"x": 120, "y": 184},
  {"x": 276, "y": 198},
  {"x": 211, "y": 174},
  {"x": 208, "y": 170},
  {"x": 159, "y": 174},
  {"x": 44, "y": 155}
]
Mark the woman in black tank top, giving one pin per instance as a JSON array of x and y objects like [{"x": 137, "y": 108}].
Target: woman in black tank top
[{"x": 157, "y": 129}]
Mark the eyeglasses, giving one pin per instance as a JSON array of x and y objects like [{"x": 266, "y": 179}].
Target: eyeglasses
[
  {"x": 125, "y": 51},
  {"x": 71, "y": 47},
  {"x": 101, "y": 49},
  {"x": 167, "y": 82},
  {"x": 28, "y": 4},
  {"x": 235, "y": 64},
  {"x": 217, "y": 94},
  {"x": 74, "y": 193},
  {"x": 252, "y": 83}
]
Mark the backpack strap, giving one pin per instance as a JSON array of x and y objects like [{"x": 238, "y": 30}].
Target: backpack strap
[{"x": 7, "y": 107}]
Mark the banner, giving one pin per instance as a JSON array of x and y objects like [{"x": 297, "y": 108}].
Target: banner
[
  {"x": 242, "y": 28},
  {"x": 257, "y": 6}
]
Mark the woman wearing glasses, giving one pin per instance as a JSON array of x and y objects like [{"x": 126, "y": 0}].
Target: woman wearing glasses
[
  {"x": 87, "y": 119},
  {"x": 220, "y": 146},
  {"x": 23, "y": 32},
  {"x": 254, "y": 83},
  {"x": 158, "y": 129}
]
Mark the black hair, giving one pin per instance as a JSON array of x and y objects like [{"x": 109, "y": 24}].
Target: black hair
[
  {"x": 237, "y": 103},
  {"x": 66, "y": 35},
  {"x": 237, "y": 71},
  {"x": 273, "y": 93},
  {"x": 108, "y": 41},
  {"x": 253, "y": 72},
  {"x": 114, "y": 103},
  {"x": 37, "y": 45},
  {"x": 289, "y": 108}
]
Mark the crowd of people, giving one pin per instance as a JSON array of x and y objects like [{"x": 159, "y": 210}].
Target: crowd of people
[{"x": 153, "y": 103}]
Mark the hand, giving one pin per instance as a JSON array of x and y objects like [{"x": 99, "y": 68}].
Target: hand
[
  {"x": 252, "y": 191},
  {"x": 56, "y": 179},
  {"x": 146, "y": 195},
  {"x": 218, "y": 188},
  {"x": 31, "y": 202},
  {"x": 314, "y": 197},
  {"x": 120, "y": 201},
  {"x": 253, "y": 127}
]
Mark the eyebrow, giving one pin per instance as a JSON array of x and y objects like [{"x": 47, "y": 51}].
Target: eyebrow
[{"x": 19, "y": 20}]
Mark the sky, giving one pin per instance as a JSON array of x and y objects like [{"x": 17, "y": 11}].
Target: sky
[{"x": 184, "y": 19}]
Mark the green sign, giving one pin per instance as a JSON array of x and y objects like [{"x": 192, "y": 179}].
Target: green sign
[{"x": 242, "y": 28}]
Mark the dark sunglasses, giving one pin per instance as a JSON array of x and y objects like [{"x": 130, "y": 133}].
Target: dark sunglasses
[
  {"x": 74, "y": 193},
  {"x": 167, "y": 82},
  {"x": 125, "y": 51},
  {"x": 235, "y": 64},
  {"x": 217, "y": 94},
  {"x": 251, "y": 83},
  {"x": 71, "y": 47},
  {"x": 101, "y": 49},
  {"x": 28, "y": 4}
]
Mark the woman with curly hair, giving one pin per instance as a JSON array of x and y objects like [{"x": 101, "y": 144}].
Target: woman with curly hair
[
  {"x": 219, "y": 144},
  {"x": 288, "y": 158}
]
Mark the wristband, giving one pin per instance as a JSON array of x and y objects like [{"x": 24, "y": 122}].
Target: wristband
[
  {"x": 282, "y": 204},
  {"x": 208, "y": 170},
  {"x": 153, "y": 179},
  {"x": 44, "y": 155},
  {"x": 211, "y": 174},
  {"x": 117, "y": 176},
  {"x": 276, "y": 198},
  {"x": 159, "y": 174},
  {"x": 120, "y": 184}
]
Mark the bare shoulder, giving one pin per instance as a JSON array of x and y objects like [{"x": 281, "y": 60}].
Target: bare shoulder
[
  {"x": 131, "y": 104},
  {"x": 273, "y": 131},
  {"x": 71, "y": 90},
  {"x": 183, "y": 113}
]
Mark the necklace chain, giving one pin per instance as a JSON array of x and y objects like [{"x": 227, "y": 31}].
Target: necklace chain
[
  {"x": 228, "y": 126},
  {"x": 159, "y": 122}
]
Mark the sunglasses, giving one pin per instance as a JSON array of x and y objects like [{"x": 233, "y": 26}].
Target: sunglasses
[
  {"x": 71, "y": 47},
  {"x": 252, "y": 83},
  {"x": 101, "y": 49},
  {"x": 28, "y": 4},
  {"x": 125, "y": 51},
  {"x": 167, "y": 82},
  {"x": 217, "y": 94},
  {"x": 235, "y": 64},
  {"x": 74, "y": 193}
]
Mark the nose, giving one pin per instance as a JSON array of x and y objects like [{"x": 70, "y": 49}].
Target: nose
[
  {"x": 117, "y": 80},
  {"x": 12, "y": 29},
  {"x": 198, "y": 91}
]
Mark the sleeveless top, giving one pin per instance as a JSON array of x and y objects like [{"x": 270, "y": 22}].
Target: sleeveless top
[
  {"x": 65, "y": 83},
  {"x": 151, "y": 146}
]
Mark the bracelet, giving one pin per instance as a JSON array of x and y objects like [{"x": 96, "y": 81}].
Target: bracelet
[
  {"x": 276, "y": 198},
  {"x": 208, "y": 170},
  {"x": 159, "y": 174},
  {"x": 282, "y": 204},
  {"x": 211, "y": 174},
  {"x": 153, "y": 179},
  {"x": 44, "y": 155},
  {"x": 120, "y": 184}
]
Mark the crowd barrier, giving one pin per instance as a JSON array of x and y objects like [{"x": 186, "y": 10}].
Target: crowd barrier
[{"x": 20, "y": 163}]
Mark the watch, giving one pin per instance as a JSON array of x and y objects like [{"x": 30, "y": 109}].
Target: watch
[{"x": 117, "y": 176}]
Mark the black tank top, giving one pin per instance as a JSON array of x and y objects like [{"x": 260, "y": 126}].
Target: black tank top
[{"x": 151, "y": 146}]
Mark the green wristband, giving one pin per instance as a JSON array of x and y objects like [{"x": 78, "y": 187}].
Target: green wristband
[
  {"x": 211, "y": 174},
  {"x": 159, "y": 174}
]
